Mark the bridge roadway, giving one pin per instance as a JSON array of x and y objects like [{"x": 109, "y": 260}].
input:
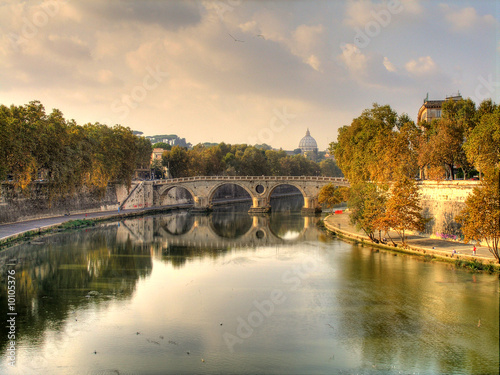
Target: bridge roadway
[
  {"x": 203, "y": 188},
  {"x": 200, "y": 231}
]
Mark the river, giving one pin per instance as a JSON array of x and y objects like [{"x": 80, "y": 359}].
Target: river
[{"x": 230, "y": 293}]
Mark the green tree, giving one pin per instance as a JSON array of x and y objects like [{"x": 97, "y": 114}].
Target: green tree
[
  {"x": 403, "y": 210},
  {"x": 480, "y": 218},
  {"x": 177, "y": 161},
  {"x": 331, "y": 195},
  {"x": 367, "y": 207},
  {"x": 359, "y": 145},
  {"x": 162, "y": 145},
  {"x": 482, "y": 147},
  {"x": 253, "y": 162},
  {"x": 329, "y": 168}
]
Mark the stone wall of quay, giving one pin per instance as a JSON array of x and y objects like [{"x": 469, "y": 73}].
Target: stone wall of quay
[
  {"x": 35, "y": 203},
  {"x": 442, "y": 201}
]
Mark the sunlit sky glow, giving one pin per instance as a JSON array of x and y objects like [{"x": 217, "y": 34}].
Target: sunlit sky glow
[{"x": 244, "y": 71}]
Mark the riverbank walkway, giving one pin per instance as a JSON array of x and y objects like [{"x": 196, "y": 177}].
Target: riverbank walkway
[
  {"x": 18, "y": 228},
  {"x": 339, "y": 223}
]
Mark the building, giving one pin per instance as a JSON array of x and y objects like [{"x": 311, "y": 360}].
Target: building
[
  {"x": 157, "y": 154},
  {"x": 431, "y": 109},
  {"x": 308, "y": 146}
]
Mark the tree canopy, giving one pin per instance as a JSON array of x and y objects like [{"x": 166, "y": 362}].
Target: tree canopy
[
  {"x": 36, "y": 145},
  {"x": 243, "y": 160}
]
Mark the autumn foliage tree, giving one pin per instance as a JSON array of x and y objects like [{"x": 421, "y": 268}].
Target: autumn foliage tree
[
  {"x": 331, "y": 195},
  {"x": 480, "y": 218},
  {"x": 403, "y": 211},
  {"x": 367, "y": 207},
  {"x": 36, "y": 145}
]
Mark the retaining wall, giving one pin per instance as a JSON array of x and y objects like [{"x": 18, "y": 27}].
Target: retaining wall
[{"x": 442, "y": 201}]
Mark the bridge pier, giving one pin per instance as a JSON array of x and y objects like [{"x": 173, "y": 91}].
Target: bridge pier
[
  {"x": 201, "y": 204},
  {"x": 311, "y": 205},
  {"x": 260, "y": 205}
]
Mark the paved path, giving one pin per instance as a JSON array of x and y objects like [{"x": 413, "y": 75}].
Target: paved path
[
  {"x": 340, "y": 222},
  {"x": 13, "y": 229}
]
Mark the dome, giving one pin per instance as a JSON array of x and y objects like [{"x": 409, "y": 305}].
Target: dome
[{"x": 308, "y": 143}]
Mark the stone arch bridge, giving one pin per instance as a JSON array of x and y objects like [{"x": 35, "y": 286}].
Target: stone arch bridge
[{"x": 203, "y": 188}]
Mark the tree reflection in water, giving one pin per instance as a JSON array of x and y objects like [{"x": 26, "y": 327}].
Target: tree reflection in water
[{"x": 68, "y": 272}]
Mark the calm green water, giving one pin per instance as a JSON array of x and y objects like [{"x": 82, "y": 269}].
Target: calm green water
[{"x": 241, "y": 294}]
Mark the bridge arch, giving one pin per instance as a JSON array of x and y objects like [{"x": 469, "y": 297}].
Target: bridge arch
[
  {"x": 163, "y": 191},
  {"x": 231, "y": 229},
  {"x": 178, "y": 224},
  {"x": 287, "y": 183},
  {"x": 214, "y": 188}
]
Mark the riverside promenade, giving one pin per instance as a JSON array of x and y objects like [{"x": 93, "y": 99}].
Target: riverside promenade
[
  {"x": 13, "y": 230},
  {"x": 340, "y": 224}
]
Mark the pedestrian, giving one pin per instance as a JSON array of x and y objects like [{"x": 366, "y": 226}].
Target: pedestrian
[{"x": 474, "y": 251}]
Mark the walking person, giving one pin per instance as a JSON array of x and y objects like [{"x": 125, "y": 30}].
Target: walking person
[{"x": 474, "y": 251}]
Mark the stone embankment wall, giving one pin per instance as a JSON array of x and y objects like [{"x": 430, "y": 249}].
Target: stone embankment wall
[
  {"x": 36, "y": 203},
  {"x": 442, "y": 201}
]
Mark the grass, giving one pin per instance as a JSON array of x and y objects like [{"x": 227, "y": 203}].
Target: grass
[
  {"x": 74, "y": 224},
  {"x": 475, "y": 265}
]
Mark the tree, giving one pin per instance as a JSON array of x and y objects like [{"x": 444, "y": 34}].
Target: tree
[
  {"x": 253, "y": 162},
  {"x": 480, "y": 218},
  {"x": 403, "y": 210},
  {"x": 367, "y": 206},
  {"x": 360, "y": 145},
  {"x": 331, "y": 195},
  {"x": 162, "y": 145},
  {"x": 329, "y": 168},
  {"x": 483, "y": 144},
  {"x": 177, "y": 161}
]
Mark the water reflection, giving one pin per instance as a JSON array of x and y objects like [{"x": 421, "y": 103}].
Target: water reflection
[
  {"x": 64, "y": 273},
  {"x": 143, "y": 292}
]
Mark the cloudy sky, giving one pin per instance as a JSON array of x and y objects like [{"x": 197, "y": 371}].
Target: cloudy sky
[{"x": 244, "y": 71}]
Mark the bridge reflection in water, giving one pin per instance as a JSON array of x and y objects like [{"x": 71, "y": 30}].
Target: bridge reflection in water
[{"x": 220, "y": 230}]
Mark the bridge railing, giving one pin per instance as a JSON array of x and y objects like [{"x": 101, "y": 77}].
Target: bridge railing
[{"x": 247, "y": 178}]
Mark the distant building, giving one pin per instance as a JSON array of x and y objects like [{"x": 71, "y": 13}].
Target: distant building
[
  {"x": 431, "y": 109},
  {"x": 157, "y": 154},
  {"x": 308, "y": 146}
]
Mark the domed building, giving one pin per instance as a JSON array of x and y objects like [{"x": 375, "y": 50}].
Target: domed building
[{"x": 308, "y": 146}]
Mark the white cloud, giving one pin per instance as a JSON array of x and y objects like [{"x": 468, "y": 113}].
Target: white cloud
[
  {"x": 465, "y": 19},
  {"x": 306, "y": 43},
  {"x": 355, "y": 61},
  {"x": 314, "y": 63},
  {"x": 422, "y": 66},
  {"x": 388, "y": 65}
]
